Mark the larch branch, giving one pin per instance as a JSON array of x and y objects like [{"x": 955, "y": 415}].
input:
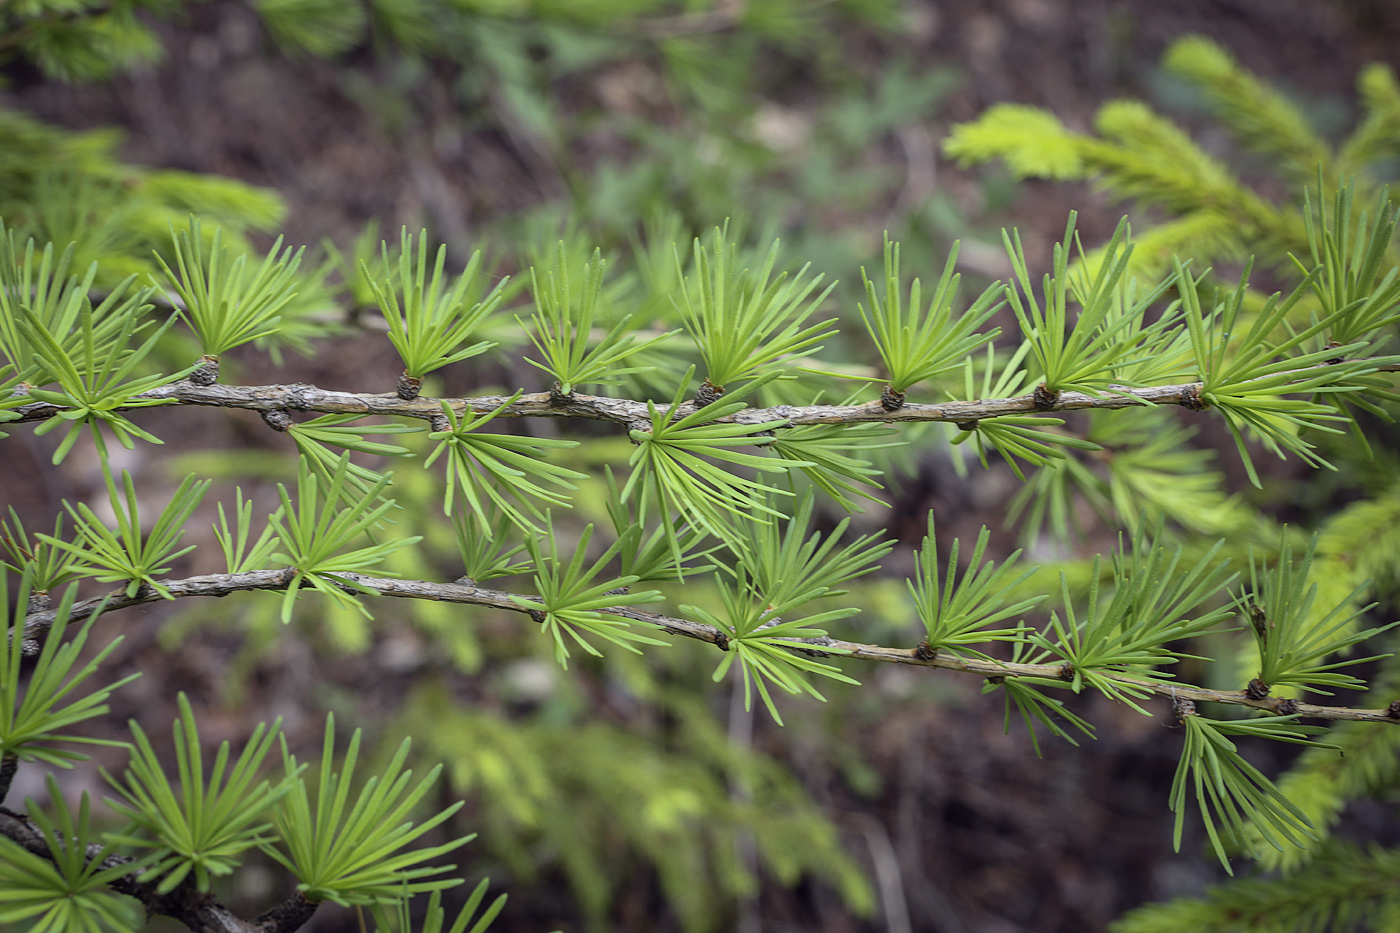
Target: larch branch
[
  {"x": 36, "y": 623},
  {"x": 633, "y": 413}
]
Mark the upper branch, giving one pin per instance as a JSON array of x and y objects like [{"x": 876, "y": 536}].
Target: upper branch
[{"x": 634, "y": 413}]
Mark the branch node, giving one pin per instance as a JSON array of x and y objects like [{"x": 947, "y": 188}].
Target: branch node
[
  {"x": 207, "y": 372},
  {"x": 1044, "y": 397},
  {"x": 997, "y": 679},
  {"x": 277, "y": 419},
  {"x": 1191, "y": 399},
  {"x": 707, "y": 393},
  {"x": 289, "y": 915},
  {"x": 1183, "y": 707},
  {"x": 891, "y": 399},
  {"x": 968, "y": 426},
  {"x": 39, "y": 602},
  {"x": 439, "y": 424},
  {"x": 537, "y": 615},
  {"x": 559, "y": 398},
  {"x": 1336, "y": 359},
  {"x": 617, "y": 591},
  {"x": 1066, "y": 671},
  {"x": 1393, "y": 710},
  {"x": 721, "y": 641},
  {"x": 1257, "y": 689},
  {"x": 925, "y": 652},
  {"x": 408, "y": 386},
  {"x": 1285, "y": 706}
]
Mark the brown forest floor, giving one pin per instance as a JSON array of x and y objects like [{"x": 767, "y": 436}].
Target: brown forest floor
[{"x": 986, "y": 838}]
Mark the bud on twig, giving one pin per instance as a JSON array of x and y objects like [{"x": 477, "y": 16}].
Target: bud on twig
[
  {"x": 408, "y": 387},
  {"x": 207, "y": 372}
]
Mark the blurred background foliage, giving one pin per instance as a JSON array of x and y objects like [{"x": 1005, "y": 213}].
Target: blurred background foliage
[{"x": 630, "y": 793}]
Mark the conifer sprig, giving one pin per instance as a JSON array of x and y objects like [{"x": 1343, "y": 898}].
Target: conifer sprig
[
  {"x": 1245, "y": 370},
  {"x": 484, "y": 544},
  {"x": 500, "y": 471},
  {"x": 63, "y": 891},
  {"x": 957, "y": 613},
  {"x": 838, "y": 466},
  {"x": 797, "y": 560},
  {"x": 34, "y": 717},
  {"x": 1015, "y": 437},
  {"x": 563, "y": 328},
  {"x": 1157, "y": 603},
  {"x": 1359, "y": 290},
  {"x": 924, "y": 342},
  {"x": 1230, "y": 790},
  {"x": 229, "y": 303},
  {"x": 572, "y": 605},
  {"x": 672, "y": 472},
  {"x": 761, "y": 641},
  {"x": 433, "y": 324},
  {"x": 315, "y": 437},
  {"x": 1295, "y": 640},
  {"x": 1260, "y": 117},
  {"x": 127, "y": 555},
  {"x": 315, "y": 531},
  {"x": 48, "y": 567},
  {"x": 202, "y": 829},
  {"x": 649, "y": 556},
  {"x": 1033, "y": 705},
  {"x": 1094, "y": 349},
  {"x": 94, "y": 376},
  {"x": 59, "y": 301},
  {"x": 743, "y": 320},
  {"x": 238, "y": 556},
  {"x": 353, "y": 853}
]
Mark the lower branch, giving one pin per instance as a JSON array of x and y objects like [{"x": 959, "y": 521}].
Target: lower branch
[{"x": 36, "y": 623}]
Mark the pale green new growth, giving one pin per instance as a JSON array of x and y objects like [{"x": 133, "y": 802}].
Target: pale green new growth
[
  {"x": 354, "y": 854},
  {"x": 30, "y": 723},
  {"x": 433, "y": 323},
  {"x": 923, "y": 343},
  {"x": 564, "y": 324},
  {"x": 743, "y": 320},
  {"x": 571, "y": 605},
  {"x": 229, "y": 303},
  {"x": 65, "y": 892},
  {"x": 315, "y": 531},
  {"x": 205, "y": 826}
]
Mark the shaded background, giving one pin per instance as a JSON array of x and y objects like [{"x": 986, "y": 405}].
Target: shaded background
[{"x": 834, "y": 138}]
